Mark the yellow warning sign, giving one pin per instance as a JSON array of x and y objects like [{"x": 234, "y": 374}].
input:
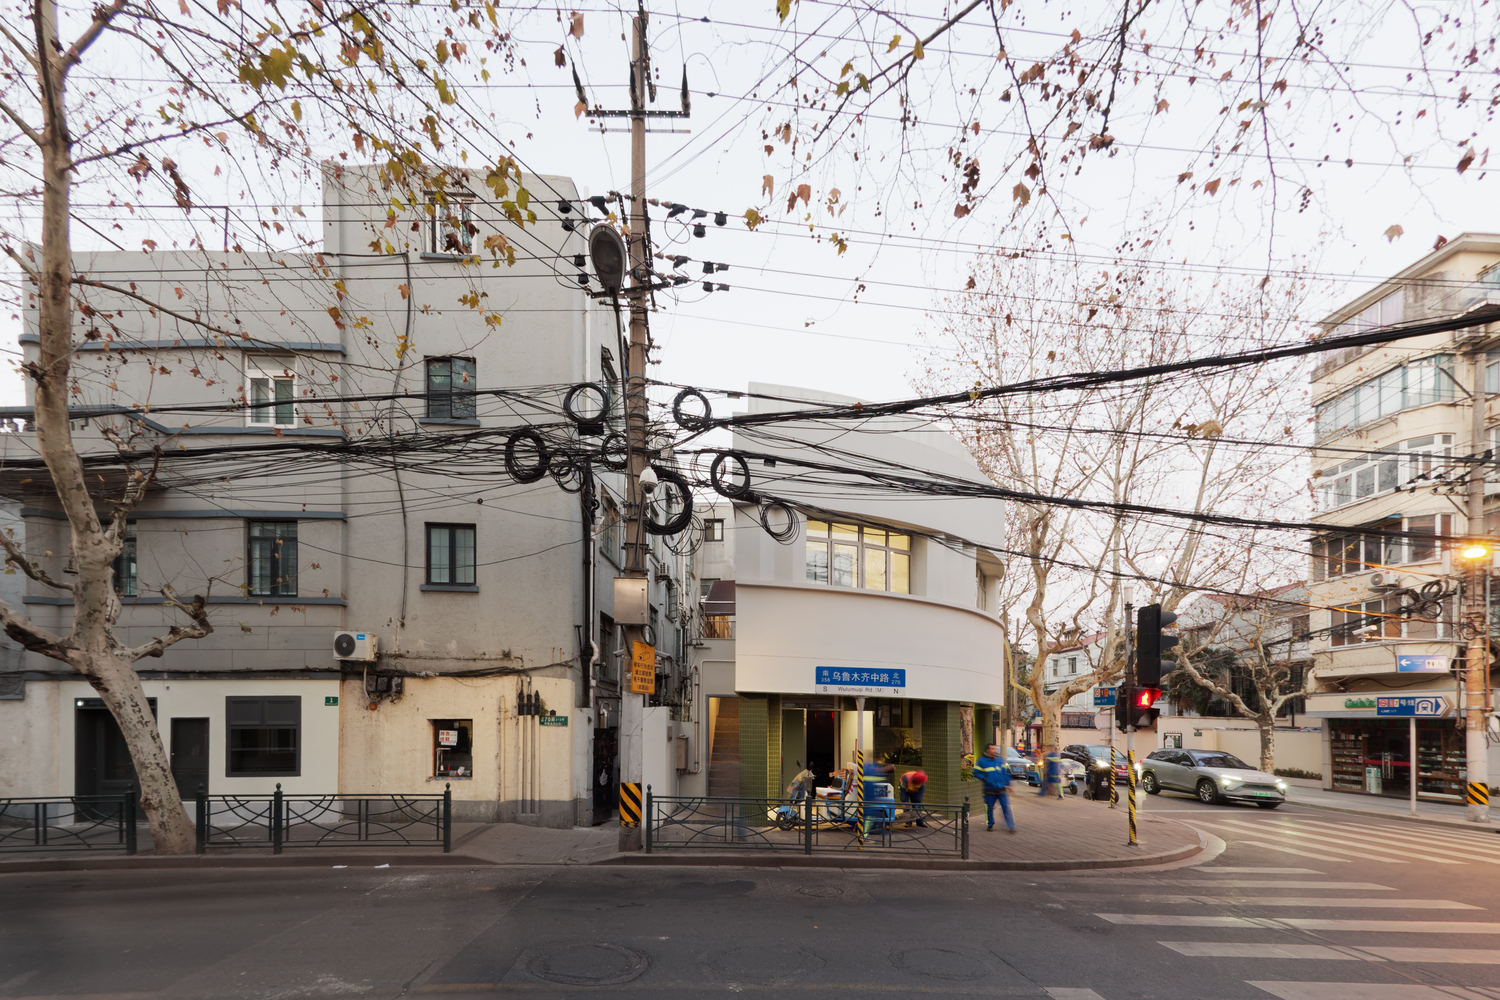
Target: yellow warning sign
[{"x": 642, "y": 668}]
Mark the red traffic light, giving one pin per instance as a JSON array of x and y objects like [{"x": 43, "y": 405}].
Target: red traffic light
[{"x": 1146, "y": 697}]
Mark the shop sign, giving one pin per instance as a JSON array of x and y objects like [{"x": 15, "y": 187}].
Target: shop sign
[
  {"x": 859, "y": 680},
  {"x": 1422, "y": 664},
  {"x": 554, "y": 720},
  {"x": 642, "y": 668},
  {"x": 1359, "y": 702},
  {"x": 1421, "y": 707},
  {"x": 447, "y": 737}
]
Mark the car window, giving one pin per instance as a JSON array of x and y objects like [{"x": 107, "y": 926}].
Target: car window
[
  {"x": 1180, "y": 757},
  {"x": 1159, "y": 755},
  {"x": 1216, "y": 759}
]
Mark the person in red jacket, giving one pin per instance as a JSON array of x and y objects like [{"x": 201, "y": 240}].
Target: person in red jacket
[{"x": 912, "y": 785}]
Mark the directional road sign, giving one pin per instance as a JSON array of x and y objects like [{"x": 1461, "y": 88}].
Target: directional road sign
[
  {"x": 1427, "y": 706},
  {"x": 1422, "y": 664},
  {"x": 1104, "y": 697}
]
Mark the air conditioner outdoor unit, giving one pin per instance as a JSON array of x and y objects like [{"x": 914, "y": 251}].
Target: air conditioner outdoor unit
[
  {"x": 1384, "y": 581},
  {"x": 354, "y": 646}
]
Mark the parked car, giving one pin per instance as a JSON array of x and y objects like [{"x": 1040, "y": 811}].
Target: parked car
[
  {"x": 1213, "y": 776},
  {"x": 1017, "y": 762},
  {"x": 1097, "y": 756}
]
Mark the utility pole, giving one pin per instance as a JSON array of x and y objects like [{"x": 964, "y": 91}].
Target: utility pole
[
  {"x": 1477, "y": 665},
  {"x": 639, "y": 483}
]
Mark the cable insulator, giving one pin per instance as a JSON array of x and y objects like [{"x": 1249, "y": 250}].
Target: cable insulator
[
  {"x": 784, "y": 535},
  {"x": 720, "y": 218},
  {"x": 684, "y": 517},
  {"x": 692, "y": 421},
  {"x": 734, "y": 491},
  {"x": 519, "y": 472}
]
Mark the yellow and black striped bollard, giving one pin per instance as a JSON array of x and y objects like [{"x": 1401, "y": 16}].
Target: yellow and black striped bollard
[{"x": 1130, "y": 793}]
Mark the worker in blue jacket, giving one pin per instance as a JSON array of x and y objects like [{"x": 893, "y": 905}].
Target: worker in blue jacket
[{"x": 994, "y": 775}]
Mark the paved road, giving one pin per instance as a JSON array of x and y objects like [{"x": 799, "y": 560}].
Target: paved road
[{"x": 1300, "y": 905}]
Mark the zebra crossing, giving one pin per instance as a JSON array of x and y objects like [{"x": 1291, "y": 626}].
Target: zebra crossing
[{"x": 1298, "y": 926}]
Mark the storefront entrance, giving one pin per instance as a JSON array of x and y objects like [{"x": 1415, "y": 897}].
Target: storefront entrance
[
  {"x": 822, "y": 751},
  {"x": 1373, "y": 756}
]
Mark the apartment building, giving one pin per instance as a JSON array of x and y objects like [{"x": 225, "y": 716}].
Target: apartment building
[
  {"x": 1393, "y": 428},
  {"x": 382, "y": 384}
]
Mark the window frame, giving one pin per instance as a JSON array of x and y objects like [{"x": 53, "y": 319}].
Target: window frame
[
  {"x": 231, "y": 727},
  {"x": 440, "y": 218},
  {"x": 129, "y": 556},
  {"x": 271, "y": 409},
  {"x": 827, "y": 538},
  {"x": 277, "y": 556},
  {"x": 451, "y": 529},
  {"x": 1389, "y": 470},
  {"x": 713, "y": 529},
  {"x": 459, "y": 404}
]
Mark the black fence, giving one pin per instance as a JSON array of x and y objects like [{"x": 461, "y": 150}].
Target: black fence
[
  {"x": 281, "y": 821},
  {"x": 812, "y": 826},
  {"x": 71, "y": 823}
]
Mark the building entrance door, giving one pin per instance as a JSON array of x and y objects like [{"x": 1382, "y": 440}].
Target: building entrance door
[
  {"x": 190, "y": 756},
  {"x": 101, "y": 760},
  {"x": 606, "y": 776},
  {"x": 822, "y": 751}
]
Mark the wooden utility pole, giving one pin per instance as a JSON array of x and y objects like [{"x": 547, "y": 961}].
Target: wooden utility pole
[{"x": 1477, "y": 662}]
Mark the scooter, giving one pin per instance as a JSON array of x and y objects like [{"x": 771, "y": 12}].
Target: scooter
[{"x": 789, "y": 817}]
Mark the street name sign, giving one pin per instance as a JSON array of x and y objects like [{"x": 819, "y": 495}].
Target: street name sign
[
  {"x": 1104, "y": 697},
  {"x": 554, "y": 720},
  {"x": 1421, "y": 664},
  {"x": 1413, "y": 706},
  {"x": 860, "y": 680}
]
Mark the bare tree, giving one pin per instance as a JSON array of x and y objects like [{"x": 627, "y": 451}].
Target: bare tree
[
  {"x": 131, "y": 105},
  {"x": 1252, "y": 654},
  {"x": 1162, "y": 442}
]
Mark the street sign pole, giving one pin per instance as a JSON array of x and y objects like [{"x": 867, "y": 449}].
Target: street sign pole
[
  {"x": 1411, "y": 757},
  {"x": 1129, "y": 692}
]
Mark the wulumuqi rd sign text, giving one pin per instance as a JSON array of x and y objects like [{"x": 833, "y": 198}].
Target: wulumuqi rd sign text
[{"x": 859, "y": 680}]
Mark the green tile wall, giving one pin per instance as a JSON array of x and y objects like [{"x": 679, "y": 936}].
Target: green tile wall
[{"x": 940, "y": 754}]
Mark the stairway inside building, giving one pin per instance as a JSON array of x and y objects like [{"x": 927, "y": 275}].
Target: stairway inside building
[{"x": 724, "y": 758}]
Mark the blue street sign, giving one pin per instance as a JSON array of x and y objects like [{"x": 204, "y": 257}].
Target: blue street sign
[
  {"x": 1430, "y": 706},
  {"x": 1421, "y": 664},
  {"x": 859, "y": 680},
  {"x": 1104, "y": 697}
]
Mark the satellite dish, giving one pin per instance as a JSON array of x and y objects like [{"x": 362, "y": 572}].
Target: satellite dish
[{"x": 607, "y": 251}]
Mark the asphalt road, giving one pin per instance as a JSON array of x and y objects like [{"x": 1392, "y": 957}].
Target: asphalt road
[{"x": 1300, "y": 905}]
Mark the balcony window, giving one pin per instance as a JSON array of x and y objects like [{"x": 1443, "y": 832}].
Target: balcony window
[
  {"x": 272, "y": 397},
  {"x": 1378, "y": 547},
  {"x": 450, "y": 225},
  {"x": 846, "y": 555},
  {"x": 450, "y": 388},
  {"x": 1393, "y": 468},
  {"x": 1416, "y": 383}
]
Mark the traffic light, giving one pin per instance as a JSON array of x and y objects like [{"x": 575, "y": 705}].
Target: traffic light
[
  {"x": 1151, "y": 646},
  {"x": 1133, "y": 707}
]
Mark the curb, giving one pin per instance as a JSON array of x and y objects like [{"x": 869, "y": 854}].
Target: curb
[
  {"x": 1451, "y": 824},
  {"x": 211, "y": 861}
]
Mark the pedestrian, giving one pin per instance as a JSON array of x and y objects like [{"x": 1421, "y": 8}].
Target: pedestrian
[
  {"x": 913, "y": 785},
  {"x": 994, "y": 775},
  {"x": 1049, "y": 777}
]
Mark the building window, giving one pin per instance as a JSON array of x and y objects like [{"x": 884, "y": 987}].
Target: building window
[
  {"x": 124, "y": 565},
  {"x": 450, "y": 224},
  {"x": 1072, "y": 664},
  {"x": 450, "y": 388},
  {"x": 845, "y": 555},
  {"x": 1378, "y": 548},
  {"x": 1391, "y": 469},
  {"x": 450, "y": 553},
  {"x": 609, "y": 532},
  {"x": 1416, "y": 383},
  {"x": 713, "y": 531},
  {"x": 1056, "y": 667},
  {"x": 453, "y": 748},
  {"x": 272, "y": 559},
  {"x": 707, "y": 583},
  {"x": 606, "y": 647},
  {"x": 272, "y": 397},
  {"x": 1378, "y": 621},
  {"x": 264, "y": 735}
]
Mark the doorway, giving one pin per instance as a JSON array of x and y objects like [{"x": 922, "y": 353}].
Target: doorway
[
  {"x": 101, "y": 760},
  {"x": 606, "y": 776},
  {"x": 190, "y": 756},
  {"x": 822, "y": 749}
]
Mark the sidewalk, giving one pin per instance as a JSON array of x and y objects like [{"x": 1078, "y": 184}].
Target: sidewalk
[
  {"x": 1054, "y": 835},
  {"x": 1442, "y": 813}
]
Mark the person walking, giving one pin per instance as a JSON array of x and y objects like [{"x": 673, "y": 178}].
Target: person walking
[
  {"x": 913, "y": 784},
  {"x": 994, "y": 775}
]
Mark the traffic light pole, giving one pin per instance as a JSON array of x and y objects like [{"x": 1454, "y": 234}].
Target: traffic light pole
[{"x": 1129, "y": 693}]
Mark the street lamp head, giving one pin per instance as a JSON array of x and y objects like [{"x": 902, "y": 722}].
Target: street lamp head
[
  {"x": 1475, "y": 550},
  {"x": 607, "y": 251}
]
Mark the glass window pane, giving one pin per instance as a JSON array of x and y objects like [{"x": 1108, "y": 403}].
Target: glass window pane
[
  {"x": 874, "y": 569},
  {"x": 900, "y": 573},
  {"x": 817, "y": 562},
  {"x": 284, "y": 404},
  {"x": 463, "y": 555},
  {"x": 1364, "y": 481},
  {"x": 260, "y": 397},
  {"x": 439, "y": 560},
  {"x": 817, "y": 529},
  {"x": 1389, "y": 476},
  {"x": 874, "y": 536},
  {"x": 463, "y": 387},
  {"x": 845, "y": 561},
  {"x": 902, "y": 542},
  {"x": 842, "y": 531}
]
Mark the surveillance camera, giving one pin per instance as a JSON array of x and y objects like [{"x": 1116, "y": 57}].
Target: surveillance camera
[{"x": 649, "y": 481}]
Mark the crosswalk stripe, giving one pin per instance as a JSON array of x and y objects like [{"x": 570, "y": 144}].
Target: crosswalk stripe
[
  {"x": 1457, "y": 956},
  {"x": 1070, "y": 993},
  {"x": 1299, "y": 852},
  {"x": 1254, "y": 883},
  {"x": 1256, "y": 870},
  {"x": 1234, "y": 949},
  {"x": 1368, "y": 991},
  {"x": 1388, "y": 854},
  {"x": 1379, "y": 903},
  {"x": 1376, "y": 840},
  {"x": 1305, "y": 923},
  {"x": 1472, "y": 849}
]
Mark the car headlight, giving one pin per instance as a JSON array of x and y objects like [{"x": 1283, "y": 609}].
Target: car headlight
[
  {"x": 1099, "y": 765},
  {"x": 1281, "y": 786},
  {"x": 1229, "y": 782}
]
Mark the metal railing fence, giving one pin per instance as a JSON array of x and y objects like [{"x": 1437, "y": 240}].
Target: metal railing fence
[
  {"x": 68, "y": 823},
  {"x": 282, "y": 821},
  {"x": 812, "y": 826}
]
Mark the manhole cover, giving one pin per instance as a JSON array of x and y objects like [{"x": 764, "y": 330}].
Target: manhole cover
[
  {"x": 588, "y": 964},
  {"x": 769, "y": 965},
  {"x": 824, "y": 891},
  {"x": 939, "y": 963}
]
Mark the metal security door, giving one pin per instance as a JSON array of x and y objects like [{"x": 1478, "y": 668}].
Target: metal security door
[{"x": 190, "y": 756}]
